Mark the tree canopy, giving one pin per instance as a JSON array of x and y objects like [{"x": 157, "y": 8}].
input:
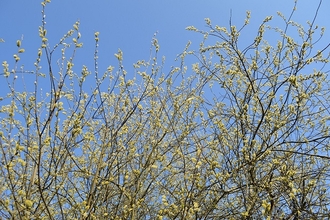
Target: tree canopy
[{"x": 231, "y": 132}]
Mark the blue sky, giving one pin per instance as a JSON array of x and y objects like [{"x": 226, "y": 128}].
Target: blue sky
[{"x": 130, "y": 25}]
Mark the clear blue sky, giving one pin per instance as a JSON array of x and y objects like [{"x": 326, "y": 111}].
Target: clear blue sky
[{"x": 130, "y": 25}]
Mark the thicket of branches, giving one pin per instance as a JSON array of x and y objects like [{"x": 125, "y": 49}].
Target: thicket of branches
[{"x": 242, "y": 133}]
